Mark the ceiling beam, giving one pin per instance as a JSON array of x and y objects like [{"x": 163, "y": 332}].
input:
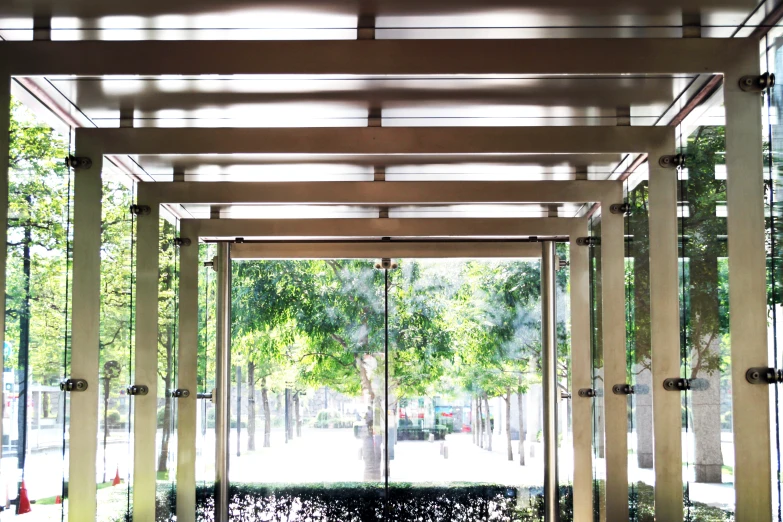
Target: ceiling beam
[
  {"x": 380, "y": 228},
  {"x": 389, "y": 249},
  {"x": 391, "y": 193},
  {"x": 375, "y": 57},
  {"x": 376, "y": 140}
]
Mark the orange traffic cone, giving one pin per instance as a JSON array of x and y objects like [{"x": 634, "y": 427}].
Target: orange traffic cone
[
  {"x": 58, "y": 499},
  {"x": 116, "y": 480},
  {"x": 23, "y": 503}
]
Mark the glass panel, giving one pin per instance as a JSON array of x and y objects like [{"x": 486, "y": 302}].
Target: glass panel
[
  {"x": 115, "y": 448},
  {"x": 772, "y": 61},
  {"x": 34, "y": 417},
  {"x": 596, "y": 342},
  {"x": 168, "y": 322},
  {"x": 707, "y": 439},
  {"x": 205, "y": 412},
  {"x": 641, "y": 473},
  {"x": 465, "y": 382}
]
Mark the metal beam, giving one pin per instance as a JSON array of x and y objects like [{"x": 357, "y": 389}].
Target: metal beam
[
  {"x": 665, "y": 335},
  {"x": 376, "y": 193},
  {"x": 145, "y": 407},
  {"x": 187, "y": 369},
  {"x": 378, "y": 140},
  {"x": 373, "y": 57},
  {"x": 381, "y": 249},
  {"x": 85, "y": 321},
  {"x": 378, "y": 228},
  {"x": 747, "y": 293},
  {"x": 223, "y": 382},
  {"x": 581, "y": 365},
  {"x": 549, "y": 380}
]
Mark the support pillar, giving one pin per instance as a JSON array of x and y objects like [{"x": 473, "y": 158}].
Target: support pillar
[
  {"x": 85, "y": 334},
  {"x": 187, "y": 370},
  {"x": 581, "y": 364},
  {"x": 145, "y": 407},
  {"x": 549, "y": 380},
  {"x": 665, "y": 334},
  {"x": 223, "y": 381},
  {"x": 613, "y": 309},
  {"x": 747, "y": 290}
]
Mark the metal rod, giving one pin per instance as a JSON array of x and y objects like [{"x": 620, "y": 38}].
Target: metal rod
[
  {"x": 549, "y": 368},
  {"x": 223, "y": 382},
  {"x": 239, "y": 408}
]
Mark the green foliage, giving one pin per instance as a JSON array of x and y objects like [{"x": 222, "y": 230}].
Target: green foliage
[{"x": 371, "y": 502}]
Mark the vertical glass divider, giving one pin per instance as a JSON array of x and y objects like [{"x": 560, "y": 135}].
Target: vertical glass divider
[
  {"x": 223, "y": 381},
  {"x": 549, "y": 380},
  {"x": 582, "y": 411},
  {"x": 187, "y": 370},
  {"x": 615, "y": 406},
  {"x": 146, "y": 363},
  {"x": 747, "y": 289},
  {"x": 85, "y": 328},
  {"x": 665, "y": 333},
  {"x": 5, "y": 124}
]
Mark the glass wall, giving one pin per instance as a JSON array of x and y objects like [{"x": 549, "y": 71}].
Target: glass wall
[
  {"x": 708, "y": 448},
  {"x": 168, "y": 323},
  {"x": 356, "y": 389},
  {"x": 596, "y": 344},
  {"x": 641, "y": 472},
  {"x": 772, "y": 61},
  {"x": 35, "y": 415},
  {"x": 115, "y": 413}
]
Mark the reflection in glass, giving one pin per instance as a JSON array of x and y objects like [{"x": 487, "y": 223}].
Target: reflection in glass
[
  {"x": 707, "y": 438},
  {"x": 33, "y": 467},
  {"x": 374, "y": 394}
]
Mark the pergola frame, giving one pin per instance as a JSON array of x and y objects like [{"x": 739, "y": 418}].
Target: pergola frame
[{"x": 733, "y": 58}]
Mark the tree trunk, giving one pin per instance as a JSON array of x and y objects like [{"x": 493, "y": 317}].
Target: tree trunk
[
  {"x": 508, "y": 424},
  {"x": 106, "y": 389},
  {"x": 489, "y": 423},
  {"x": 251, "y": 406},
  {"x": 22, "y": 371},
  {"x": 267, "y": 413},
  {"x": 480, "y": 421},
  {"x": 705, "y": 407},
  {"x": 474, "y": 416},
  {"x": 296, "y": 414},
  {"x": 166, "y": 435},
  {"x": 521, "y": 420}
]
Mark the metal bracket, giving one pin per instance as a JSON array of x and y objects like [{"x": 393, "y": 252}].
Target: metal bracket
[
  {"x": 210, "y": 396},
  {"x": 757, "y": 83},
  {"x": 73, "y": 385},
  {"x": 672, "y": 162},
  {"x": 213, "y": 264},
  {"x": 587, "y": 392},
  {"x": 138, "y": 389},
  {"x": 565, "y": 395},
  {"x": 676, "y": 384},
  {"x": 562, "y": 263},
  {"x": 385, "y": 264},
  {"x": 623, "y": 389},
  {"x": 620, "y": 208},
  {"x": 589, "y": 241},
  {"x": 182, "y": 241},
  {"x": 180, "y": 393},
  {"x": 76, "y": 162},
  {"x": 140, "y": 210},
  {"x": 764, "y": 376}
]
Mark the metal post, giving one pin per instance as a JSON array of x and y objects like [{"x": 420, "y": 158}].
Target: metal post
[
  {"x": 187, "y": 369},
  {"x": 85, "y": 320},
  {"x": 549, "y": 378},
  {"x": 223, "y": 381},
  {"x": 665, "y": 334},
  {"x": 747, "y": 291},
  {"x": 145, "y": 407},
  {"x": 582, "y": 409}
]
